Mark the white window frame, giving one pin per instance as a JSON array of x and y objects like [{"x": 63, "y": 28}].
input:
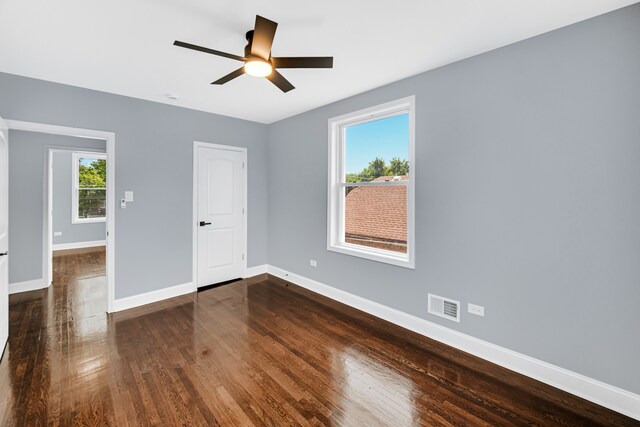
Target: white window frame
[
  {"x": 336, "y": 185},
  {"x": 75, "y": 185}
]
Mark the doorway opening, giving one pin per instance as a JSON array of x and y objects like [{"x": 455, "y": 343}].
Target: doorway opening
[
  {"x": 91, "y": 192},
  {"x": 77, "y": 222}
]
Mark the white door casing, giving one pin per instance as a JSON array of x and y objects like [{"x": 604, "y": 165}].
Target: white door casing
[
  {"x": 220, "y": 213},
  {"x": 4, "y": 235}
]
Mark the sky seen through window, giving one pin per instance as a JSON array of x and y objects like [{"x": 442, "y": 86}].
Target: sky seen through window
[{"x": 385, "y": 138}]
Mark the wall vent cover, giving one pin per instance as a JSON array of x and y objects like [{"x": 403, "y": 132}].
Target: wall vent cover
[{"x": 444, "y": 307}]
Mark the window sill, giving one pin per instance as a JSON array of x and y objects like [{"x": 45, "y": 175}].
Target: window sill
[
  {"x": 379, "y": 255},
  {"x": 87, "y": 220}
]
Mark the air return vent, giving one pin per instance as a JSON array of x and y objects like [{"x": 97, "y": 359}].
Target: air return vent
[{"x": 444, "y": 307}]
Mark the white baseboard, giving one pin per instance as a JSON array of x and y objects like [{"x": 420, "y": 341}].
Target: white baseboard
[
  {"x": 78, "y": 245},
  {"x": 26, "y": 286},
  {"x": 255, "y": 271},
  {"x": 151, "y": 297},
  {"x": 173, "y": 291},
  {"x": 603, "y": 394}
]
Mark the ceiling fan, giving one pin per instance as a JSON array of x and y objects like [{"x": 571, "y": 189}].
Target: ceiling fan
[{"x": 257, "y": 58}]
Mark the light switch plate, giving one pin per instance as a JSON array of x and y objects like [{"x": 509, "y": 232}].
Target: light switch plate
[
  {"x": 128, "y": 196},
  {"x": 57, "y": 233}
]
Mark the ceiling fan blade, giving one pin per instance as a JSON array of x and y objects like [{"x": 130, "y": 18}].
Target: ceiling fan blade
[
  {"x": 263, "y": 34},
  {"x": 229, "y": 77},
  {"x": 207, "y": 50},
  {"x": 278, "y": 79},
  {"x": 303, "y": 62}
]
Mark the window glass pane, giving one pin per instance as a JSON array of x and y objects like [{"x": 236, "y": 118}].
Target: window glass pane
[
  {"x": 92, "y": 203},
  {"x": 377, "y": 148},
  {"x": 92, "y": 173},
  {"x": 376, "y": 216}
]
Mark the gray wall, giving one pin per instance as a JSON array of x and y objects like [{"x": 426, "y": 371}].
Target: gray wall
[
  {"x": 62, "y": 184},
  {"x": 27, "y": 160},
  {"x": 154, "y": 146},
  {"x": 527, "y": 197}
]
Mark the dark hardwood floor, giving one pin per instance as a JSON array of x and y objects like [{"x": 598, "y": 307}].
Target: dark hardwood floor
[{"x": 254, "y": 352}]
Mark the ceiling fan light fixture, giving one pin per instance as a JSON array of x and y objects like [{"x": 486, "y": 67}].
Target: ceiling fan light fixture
[{"x": 258, "y": 68}]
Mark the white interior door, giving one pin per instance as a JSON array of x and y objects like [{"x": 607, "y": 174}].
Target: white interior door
[
  {"x": 4, "y": 235},
  {"x": 220, "y": 214}
]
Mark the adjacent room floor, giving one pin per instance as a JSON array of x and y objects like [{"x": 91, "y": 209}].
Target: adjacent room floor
[{"x": 254, "y": 352}]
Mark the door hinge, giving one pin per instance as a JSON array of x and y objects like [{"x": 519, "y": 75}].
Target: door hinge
[
  {"x": 242, "y": 165},
  {"x": 243, "y": 257},
  {"x": 242, "y": 211}
]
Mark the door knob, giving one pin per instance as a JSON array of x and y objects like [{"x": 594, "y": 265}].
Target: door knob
[
  {"x": 4, "y": 253},
  {"x": 202, "y": 223}
]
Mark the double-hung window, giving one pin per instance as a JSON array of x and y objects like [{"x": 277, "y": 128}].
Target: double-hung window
[
  {"x": 88, "y": 195},
  {"x": 371, "y": 183}
]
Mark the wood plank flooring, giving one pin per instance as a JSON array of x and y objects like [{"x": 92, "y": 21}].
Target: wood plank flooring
[{"x": 254, "y": 352}]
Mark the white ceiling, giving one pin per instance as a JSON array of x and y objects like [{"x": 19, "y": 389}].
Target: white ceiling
[{"x": 125, "y": 46}]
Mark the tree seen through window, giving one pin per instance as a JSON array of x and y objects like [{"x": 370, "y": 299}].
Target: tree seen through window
[{"x": 92, "y": 186}]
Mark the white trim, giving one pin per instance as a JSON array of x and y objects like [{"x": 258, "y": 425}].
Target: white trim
[
  {"x": 110, "y": 139},
  {"x": 4, "y": 239},
  {"x": 153, "y": 296},
  {"x": 194, "y": 235},
  {"x": 76, "y": 155},
  {"x": 76, "y": 221},
  {"x": 375, "y": 184},
  {"x": 255, "y": 271},
  {"x": 48, "y": 226},
  {"x": 617, "y": 399},
  {"x": 335, "y": 199},
  {"x": 78, "y": 245},
  {"x": 374, "y": 254},
  {"x": 26, "y": 286},
  {"x": 173, "y": 291}
]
